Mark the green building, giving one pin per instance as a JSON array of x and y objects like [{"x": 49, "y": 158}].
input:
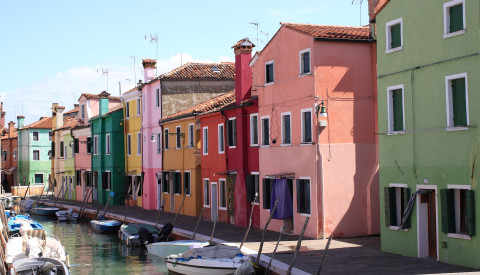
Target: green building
[
  {"x": 108, "y": 152},
  {"x": 428, "y": 55}
]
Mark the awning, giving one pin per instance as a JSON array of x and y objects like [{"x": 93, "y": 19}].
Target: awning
[
  {"x": 281, "y": 176},
  {"x": 408, "y": 210}
]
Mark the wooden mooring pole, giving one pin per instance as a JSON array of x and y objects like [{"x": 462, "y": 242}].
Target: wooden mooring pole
[
  {"x": 257, "y": 262},
  {"x": 299, "y": 243},
  {"x": 198, "y": 222}
]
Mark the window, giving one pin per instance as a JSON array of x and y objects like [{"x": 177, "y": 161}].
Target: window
[
  {"x": 62, "y": 153},
  {"x": 190, "y": 135},
  {"x": 306, "y": 125},
  {"x": 35, "y": 136},
  {"x": 265, "y": 131},
  {"x": 396, "y": 114},
  {"x": 223, "y": 194},
  {"x": 82, "y": 111},
  {"x": 457, "y": 100},
  {"x": 76, "y": 146},
  {"x": 186, "y": 183},
  {"x": 157, "y": 98},
  {"x": 36, "y": 155},
  {"x": 177, "y": 183},
  {"x": 89, "y": 145},
  {"x": 129, "y": 144},
  {"x": 232, "y": 132},
  {"x": 267, "y": 192},
  {"x": 38, "y": 178},
  {"x": 139, "y": 107},
  {"x": 286, "y": 129},
  {"x": 107, "y": 144},
  {"x": 305, "y": 61},
  {"x": 453, "y": 18},
  {"x": 269, "y": 72},
  {"x": 127, "y": 110},
  {"x": 78, "y": 177},
  {"x": 95, "y": 145},
  {"x": 221, "y": 139},
  {"x": 303, "y": 196},
  {"x": 159, "y": 147},
  {"x": 253, "y": 129},
  {"x": 205, "y": 140},
  {"x": 397, "y": 196},
  {"x": 166, "y": 182},
  {"x": 139, "y": 143},
  {"x": 458, "y": 210},
  {"x": 15, "y": 154},
  {"x": 106, "y": 180},
  {"x": 206, "y": 192},
  {"x": 4, "y": 155},
  {"x": 65, "y": 150},
  {"x": 50, "y": 135},
  {"x": 166, "y": 139},
  {"x": 178, "y": 138},
  {"x": 394, "y": 35},
  {"x": 252, "y": 187}
]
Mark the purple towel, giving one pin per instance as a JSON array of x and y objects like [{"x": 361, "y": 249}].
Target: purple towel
[{"x": 284, "y": 208}]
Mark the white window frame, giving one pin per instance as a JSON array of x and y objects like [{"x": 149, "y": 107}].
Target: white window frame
[
  {"x": 302, "y": 73},
  {"x": 33, "y": 155},
  {"x": 167, "y": 140},
  {"x": 252, "y": 129},
  {"x": 109, "y": 180},
  {"x": 302, "y": 125},
  {"x": 310, "y": 192},
  {"x": 398, "y": 200},
  {"x": 220, "y": 182},
  {"x": 95, "y": 144},
  {"x": 129, "y": 144},
  {"x": 33, "y": 136},
  {"x": 390, "y": 89},
  {"x": 159, "y": 143},
  {"x": 82, "y": 111},
  {"x": 262, "y": 133},
  {"x": 107, "y": 144},
  {"x": 265, "y": 70},
  {"x": 139, "y": 143},
  {"x": 15, "y": 154},
  {"x": 127, "y": 109},
  {"x": 221, "y": 137},
  {"x": 205, "y": 140},
  {"x": 449, "y": 101},
  {"x": 388, "y": 37},
  {"x": 207, "y": 182},
  {"x": 191, "y": 135},
  {"x": 257, "y": 202},
  {"x": 4, "y": 155},
  {"x": 157, "y": 98},
  {"x": 282, "y": 115},
  {"x": 189, "y": 182},
  {"x": 446, "y": 18},
  {"x": 178, "y": 139},
  {"x": 139, "y": 106},
  {"x": 457, "y": 211},
  {"x": 43, "y": 177},
  {"x": 236, "y": 134}
]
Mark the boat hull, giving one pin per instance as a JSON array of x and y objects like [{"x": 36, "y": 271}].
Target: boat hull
[
  {"x": 64, "y": 216},
  {"x": 202, "y": 266},
  {"x": 128, "y": 233},
  {"x": 105, "y": 226},
  {"x": 25, "y": 266},
  {"x": 15, "y": 223},
  {"x": 165, "y": 249},
  {"x": 45, "y": 211}
]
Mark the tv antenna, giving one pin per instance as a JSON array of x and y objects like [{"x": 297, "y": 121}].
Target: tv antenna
[
  {"x": 104, "y": 73},
  {"x": 256, "y": 26},
  {"x": 266, "y": 34},
  {"x": 359, "y": 2},
  {"x": 154, "y": 39},
  {"x": 134, "y": 70}
]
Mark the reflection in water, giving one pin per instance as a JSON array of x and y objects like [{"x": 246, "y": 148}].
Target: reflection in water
[{"x": 93, "y": 253}]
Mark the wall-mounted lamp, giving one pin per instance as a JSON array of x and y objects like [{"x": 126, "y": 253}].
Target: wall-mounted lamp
[
  {"x": 152, "y": 139},
  {"x": 320, "y": 110}
]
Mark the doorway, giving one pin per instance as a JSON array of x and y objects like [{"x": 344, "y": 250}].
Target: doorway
[
  {"x": 172, "y": 193},
  {"x": 214, "y": 197},
  {"x": 159, "y": 190},
  {"x": 427, "y": 222}
]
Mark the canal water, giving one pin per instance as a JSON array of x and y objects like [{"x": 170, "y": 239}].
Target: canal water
[{"x": 94, "y": 253}]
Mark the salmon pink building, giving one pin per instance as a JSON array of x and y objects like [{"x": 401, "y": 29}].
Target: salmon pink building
[
  {"x": 9, "y": 156},
  {"x": 317, "y": 117}
]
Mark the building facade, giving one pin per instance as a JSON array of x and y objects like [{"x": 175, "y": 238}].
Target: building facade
[{"x": 9, "y": 157}]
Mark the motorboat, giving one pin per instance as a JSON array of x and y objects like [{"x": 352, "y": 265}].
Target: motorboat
[
  {"x": 40, "y": 265},
  {"x": 66, "y": 215},
  {"x": 10, "y": 213},
  {"x": 129, "y": 233},
  {"x": 105, "y": 226},
  {"x": 44, "y": 210},
  {"x": 165, "y": 249},
  {"x": 217, "y": 259},
  {"x": 14, "y": 224}
]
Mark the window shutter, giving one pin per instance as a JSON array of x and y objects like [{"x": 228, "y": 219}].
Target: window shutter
[
  {"x": 459, "y": 102},
  {"x": 266, "y": 193},
  {"x": 448, "y": 210},
  {"x": 53, "y": 149},
  {"x": 308, "y": 126},
  {"x": 306, "y": 62},
  {"x": 406, "y": 198},
  {"x": 250, "y": 187},
  {"x": 395, "y": 36},
  {"x": 104, "y": 180},
  {"x": 186, "y": 182},
  {"x": 470, "y": 213},
  {"x": 456, "y": 18},
  {"x": 75, "y": 144},
  {"x": 397, "y": 110},
  {"x": 307, "y": 197},
  {"x": 390, "y": 207}
]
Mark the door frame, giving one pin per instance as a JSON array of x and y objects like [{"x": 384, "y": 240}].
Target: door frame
[
  {"x": 214, "y": 201},
  {"x": 421, "y": 214},
  {"x": 158, "y": 177}
]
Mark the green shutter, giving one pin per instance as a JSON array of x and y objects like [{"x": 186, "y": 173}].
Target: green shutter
[
  {"x": 395, "y": 36},
  {"x": 390, "y": 206},
  {"x": 397, "y": 99},
  {"x": 456, "y": 18},
  {"x": 448, "y": 210},
  {"x": 459, "y": 102},
  {"x": 406, "y": 198},
  {"x": 470, "y": 213}
]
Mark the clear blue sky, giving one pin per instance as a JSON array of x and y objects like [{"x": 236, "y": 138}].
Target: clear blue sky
[{"x": 51, "y": 50}]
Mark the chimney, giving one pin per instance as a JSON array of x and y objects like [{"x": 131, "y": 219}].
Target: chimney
[
  {"x": 76, "y": 105},
  {"x": 243, "y": 71},
  {"x": 20, "y": 120},
  {"x": 2, "y": 114},
  {"x": 103, "y": 105},
  {"x": 11, "y": 128},
  {"x": 59, "y": 117},
  {"x": 149, "y": 66}
]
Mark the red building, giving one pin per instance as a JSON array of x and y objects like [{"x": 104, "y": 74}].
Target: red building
[{"x": 9, "y": 157}]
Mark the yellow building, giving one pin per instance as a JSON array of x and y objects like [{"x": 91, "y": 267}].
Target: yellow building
[{"x": 132, "y": 110}]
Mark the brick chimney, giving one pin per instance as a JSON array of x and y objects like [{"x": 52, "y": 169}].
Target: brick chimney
[
  {"x": 2, "y": 114},
  {"x": 149, "y": 66},
  {"x": 59, "y": 116},
  {"x": 11, "y": 128},
  {"x": 103, "y": 104},
  {"x": 243, "y": 71},
  {"x": 20, "y": 120}
]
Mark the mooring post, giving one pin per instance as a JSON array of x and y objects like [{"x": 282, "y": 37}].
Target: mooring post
[
  {"x": 257, "y": 262},
  {"x": 198, "y": 222},
  {"x": 324, "y": 254},
  {"x": 282, "y": 229},
  {"x": 299, "y": 243}
]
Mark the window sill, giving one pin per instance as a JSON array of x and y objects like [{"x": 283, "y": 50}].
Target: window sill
[
  {"x": 265, "y": 146},
  {"x": 394, "y": 49},
  {"x": 304, "y": 74},
  {"x": 459, "y": 236},
  {"x": 397, "y": 228},
  {"x": 306, "y": 143},
  {"x": 253, "y": 145},
  {"x": 394, "y": 133},
  {"x": 222, "y": 208},
  {"x": 268, "y": 84},
  {"x": 206, "y": 206},
  {"x": 286, "y": 145},
  {"x": 205, "y": 154},
  {"x": 452, "y": 34},
  {"x": 305, "y": 215},
  {"x": 457, "y": 128},
  {"x": 232, "y": 147},
  {"x": 220, "y": 153}
]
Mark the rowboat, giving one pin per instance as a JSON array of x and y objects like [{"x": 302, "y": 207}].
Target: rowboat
[
  {"x": 129, "y": 235},
  {"x": 44, "y": 210},
  {"x": 66, "y": 215},
  {"x": 218, "y": 259},
  {"x": 10, "y": 213},
  {"x": 105, "y": 226},
  {"x": 16, "y": 222},
  {"x": 40, "y": 265},
  {"x": 26, "y": 205},
  {"x": 165, "y": 249}
]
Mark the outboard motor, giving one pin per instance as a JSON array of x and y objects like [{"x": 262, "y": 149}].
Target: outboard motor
[
  {"x": 145, "y": 236},
  {"x": 165, "y": 232}
]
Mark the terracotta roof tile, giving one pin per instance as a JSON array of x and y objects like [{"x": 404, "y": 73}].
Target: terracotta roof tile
[
  {"x": 13, "y": 135},
  {"x": 331, "y": 32},
  {"x": 92, "y": 96},
  {"x": 75, "y": 110},
  {"x": 43, "y": 123},
  {"x": 224, "y": 70},
  {"x": 206, "y": 107},
  {"x": 69, "y": 122},
  {"x": 379, "y": 7}
]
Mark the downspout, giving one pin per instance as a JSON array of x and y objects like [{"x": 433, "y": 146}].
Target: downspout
[{"x": 125, "y": 141}]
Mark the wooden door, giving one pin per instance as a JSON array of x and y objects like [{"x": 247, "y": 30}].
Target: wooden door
[{"x": 432, "y": 226}]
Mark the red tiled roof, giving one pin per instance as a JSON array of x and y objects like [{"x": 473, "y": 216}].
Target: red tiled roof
[
  {"x": 380, "y": 7},
  {"x": 331, "y": 32},
  {"x": 92, "y": 96},
  {"x": 69, "y": 122},
  {"x": 43, "y": 123},
  {"x": 75, "y": 110},
  {"x": 224, "y": 70},
  {"x": 13, "y": 135},
  {"x": 206, "y": 107}
]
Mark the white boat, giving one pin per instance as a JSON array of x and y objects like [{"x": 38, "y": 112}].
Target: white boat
[
  {"x": 218, "y": 259},
  {"x": 66, "y": 215},
  {"x": 165, "y": 249},
  {"x": 32, "y": 244},
  {"x": 41, "y": 265}
]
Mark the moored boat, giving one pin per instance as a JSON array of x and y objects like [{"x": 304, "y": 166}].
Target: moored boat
[
  {"x": 40, "y": 265},
  {"x": 66, "y": 215},
  {"x": 44, "y": 210},
  {"x": 128, "y": 233},
  {"x": 10, "y": 213},
  {"x": 165, "y": 249},
  {"x": 16, "y": 222},
  {"x": 26, "y": 205},
  {"x": 105, "y": 226}
]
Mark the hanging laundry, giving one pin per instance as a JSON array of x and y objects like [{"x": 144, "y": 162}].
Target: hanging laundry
[{"x": 281, "y": 191}]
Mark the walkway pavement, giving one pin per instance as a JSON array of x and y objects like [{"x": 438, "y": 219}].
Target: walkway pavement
[{"x": 346, "y": 255}]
